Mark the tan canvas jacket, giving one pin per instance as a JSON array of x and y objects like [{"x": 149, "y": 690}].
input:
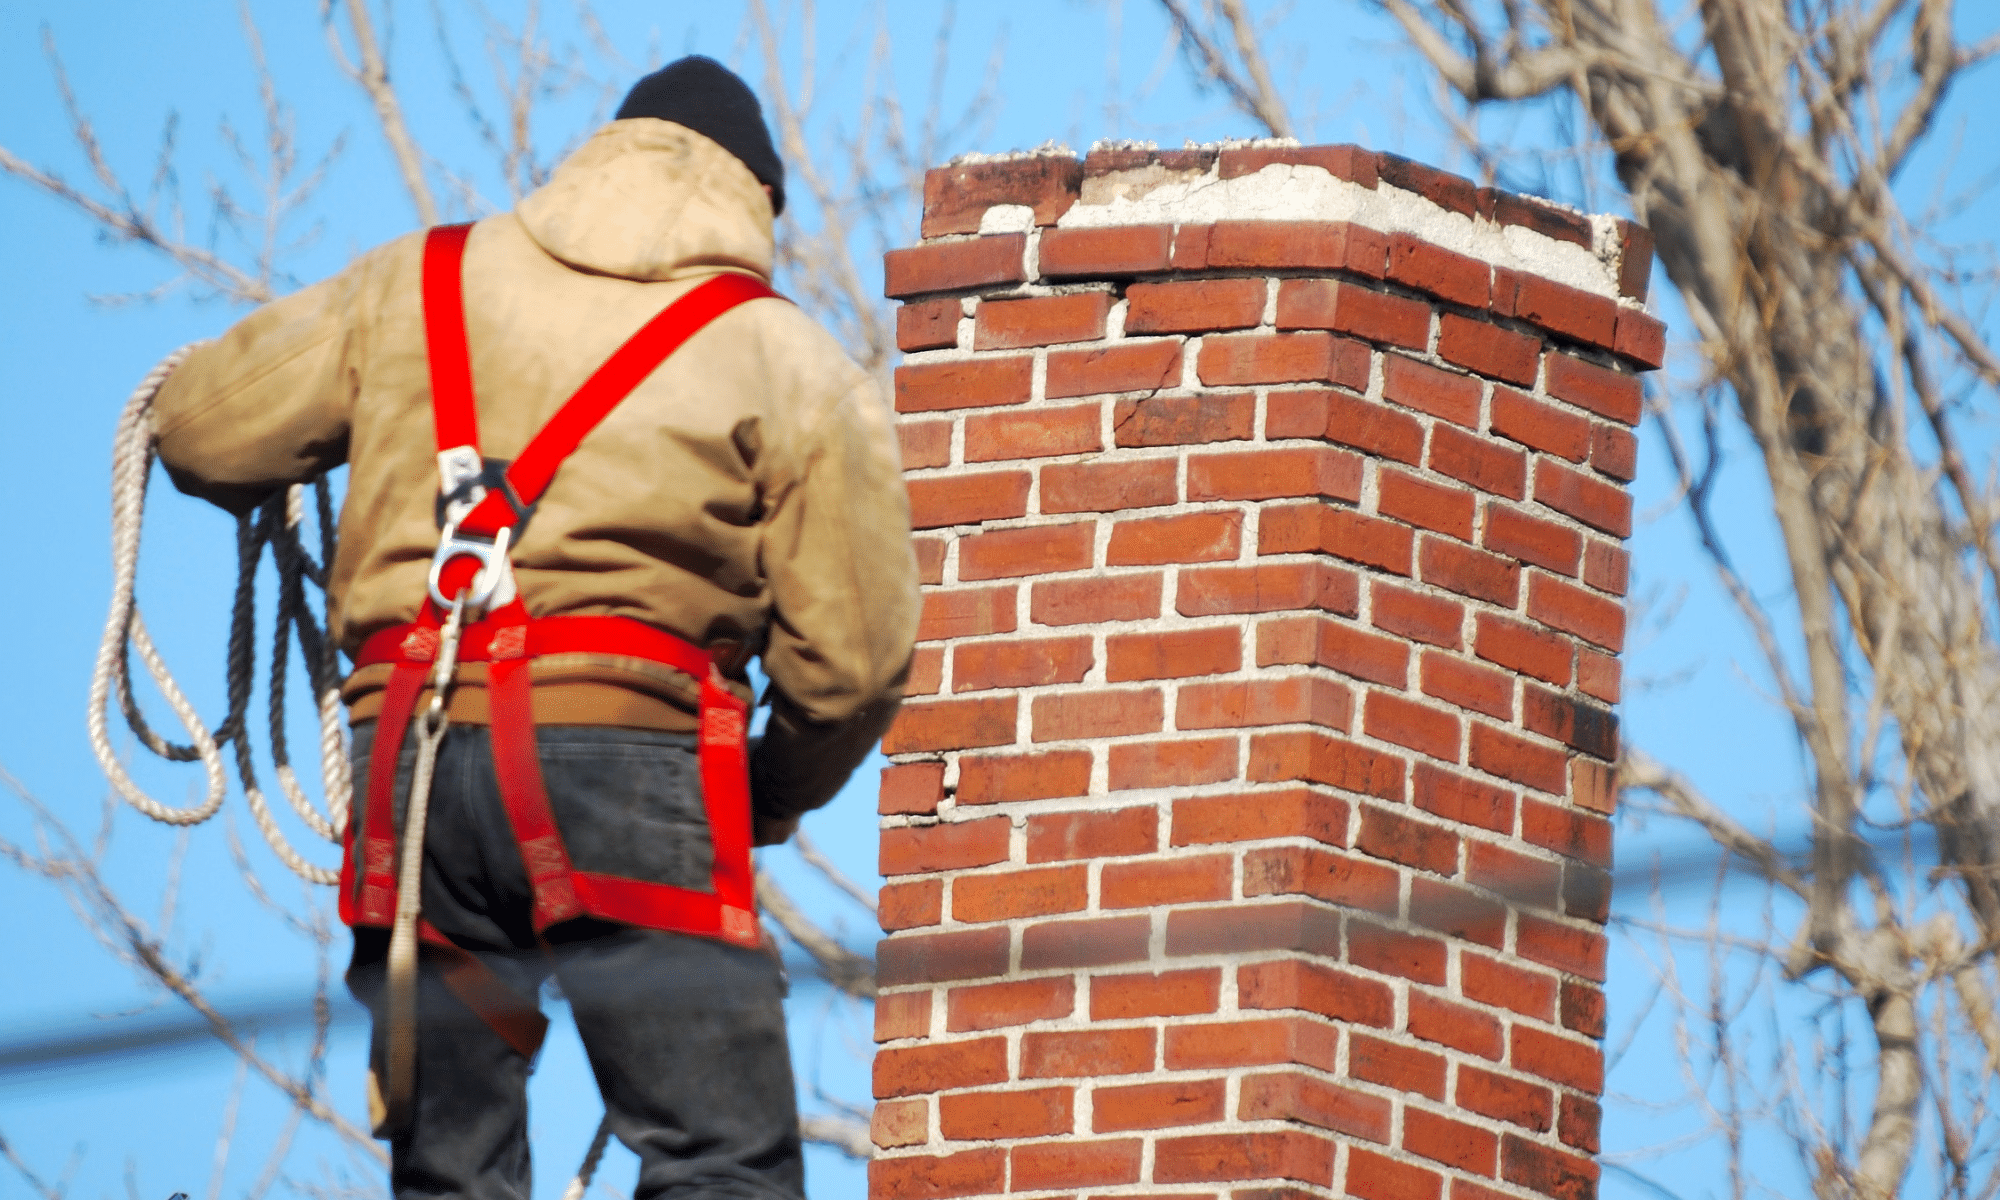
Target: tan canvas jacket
[{"x": 749, "y": 491}]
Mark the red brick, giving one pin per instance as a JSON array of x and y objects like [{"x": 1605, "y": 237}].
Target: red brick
[
  {"x": 977, "y": 899},
  {"x": 911, "y": 789},
  {"x": 935, "y": 1176},
  {"x": 1581, "y": 725},
  {"x": 1005, "y": 1005},
  {"x": 1583, "y": 1008},
  {"x": 1540, "y": 426},
  {"x": 1167, "y": 994},
  {"x": 1523, "y": 648},
  {"x": 1566, "y": 948},
  {"x": 1506, "y": 985},
  {"x": 1417, "y": 844},
  {"x": 1598, "y": 675},
  {"x": 1341, "y": 532},
  {"x": 1614, "y": 451},
  {"x": 1258, "y": 816},
  {"x": 1351, "y": 163},
  {"x": 1180, "y": 654},
  {"x": 1533, "y": 212},
  {"x": 1289, "y": 245},
  {"x": 1573, "y": 610},
  {"x": 968, "y": 499},
  {"x": 1466, "y": 801},
  {"x": 1157, "y": 1105},
  {"x": 928, "y": 325},
  {"x": 1458, "y": 912},
  {"x": 1586, "y": 892},
  {"x": 924, "y": 444},
  {"x": 1104, "y": 253},
  {"x": 1331, "y": 993},
  {"x": 1416, "y": 263},
  {"x": 1246, "y": 1043},
  {"x": 1293, "y": 700},
  {"x": 1314, "y": 757},
  {"x": 1348, "y": 420},
  {"x": 1641, "y": 338},
  {"x": 902, "y": 1015},
  {"x": 1413, "y": 726},
  {"x": 1166, "y": 881},
  {"x": 1295, "y": 1096},
  {"x": 1254, "y": 358},
  {"x": 1019, "y": 662},
  {"x": 1181, "y": 762},
  {"x": 1373, "y": 1177},
  {"x": 1349, "y": 308},
  {"x": 1267, "y": 587},
  {"x": 1524, "y": 880},
  {"x": 1068, "y": 836},
  {"x": 1459, "y": 1026},
  {"x": 1573, "y": 313},
  {"x": 1547, "y": 1170},
  {"x": 1183, "y": 420},
  {"x": 1410, "y": 956},
  {"x": 1572, "y": 1063},
  {"x": 1342, "y": 879},
  {"x": 1441, "y": 188},
  {"x": 1425, "y": 388},
  {"x": 979, "y": 1116},
  {"x": 1453, "y": 1143},
  {"x": 956, "y": 197},
  {"x": 1603, "y": 391},
  {"x": 1102, "y": 598},
  {"x": 1514, "y": 1101},
  {"x": 1468, "y": 685},
  {"x": 1083, "y": 1054},
  {"x": 951, "y": 725},
  {"x": 1481, "y": 462},
  {"x": 1033, "y": 433},
  {"x": 1096, "y": 942},
  {"x": 1343, "y": 648},
  {"x": 1416, "y": 615},
  {"x": 1040, "y": 321},
  {"x": 1531, "y": 539},
  {"x": 1404, "y": 1068},
  {"x": 1121, "y": 367},
  {"x": 1003, "y": 778},
  {"x": 1469, "y": 572},
  {"x": 1227, "y": 1157},
  {"x": 1433, "y": 506},
  {"x": 1010, "y": 553},
  {"x": 1577, "y": 1121},
  {"x": 1596, "y": 503},
  {"x": 1070, "y": 1163},
  {"x": 1294, "y": 925},
  {"x": 926, "y": 671},
  {"x": 954, "y": 266},
  {"x": 964, "y": 383},
  {"x": 1110, "y": 486},
  {"x": 913, "y": 1070},
  {"x": 911, "y": 905},
  {"x": 1270, "y": 474},
  {"x": 1488, "y": 349},
  {"x": 1606, "y": 567},
  {"x": 1593, "y": 785},
  {"x": 1193, "y": 537},
  {"x": 1070, "y": 716},
  {"x": 1635, "y": 260},
  {"x": 1518, "y": 759},
  {"x": 930, "y": 559},
  {"x": 922, "y": 849},
  {"x": 1195, "y": 306}
]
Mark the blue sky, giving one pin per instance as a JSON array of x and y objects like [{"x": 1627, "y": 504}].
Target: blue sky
[{"x": 1069, "y": 70}]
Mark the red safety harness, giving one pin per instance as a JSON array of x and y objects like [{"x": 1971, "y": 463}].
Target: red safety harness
[{"x": 484, "y": 507}]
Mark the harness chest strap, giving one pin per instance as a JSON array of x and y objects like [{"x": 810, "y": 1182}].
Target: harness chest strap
[{"x": 509, "y": 639}]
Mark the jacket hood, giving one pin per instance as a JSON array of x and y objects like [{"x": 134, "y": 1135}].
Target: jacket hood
[{"x": 648, "y": 199}]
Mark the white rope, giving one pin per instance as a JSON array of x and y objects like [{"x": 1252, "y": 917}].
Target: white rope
[{"x": 125, "y": 631}]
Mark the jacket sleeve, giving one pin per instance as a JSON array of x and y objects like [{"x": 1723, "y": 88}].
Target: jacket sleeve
[
  {"x": 268, "y": 403},
  {"x": 843, "y": 581}
]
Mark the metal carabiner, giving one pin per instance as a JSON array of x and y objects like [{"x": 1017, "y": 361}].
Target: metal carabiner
[{"x": 492, "y": 587}]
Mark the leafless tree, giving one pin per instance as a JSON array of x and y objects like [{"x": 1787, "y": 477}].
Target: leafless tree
[{"x": 1762, "y": 141}]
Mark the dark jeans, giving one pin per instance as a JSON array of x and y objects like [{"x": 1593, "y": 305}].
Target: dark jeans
[{"x": 686, "y": 1036}]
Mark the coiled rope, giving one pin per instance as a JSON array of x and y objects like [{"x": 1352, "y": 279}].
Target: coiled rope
[{"x": 279, "y": 525}]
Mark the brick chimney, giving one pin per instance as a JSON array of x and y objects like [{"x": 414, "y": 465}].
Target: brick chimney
[{"x": 1247, "y": 830}]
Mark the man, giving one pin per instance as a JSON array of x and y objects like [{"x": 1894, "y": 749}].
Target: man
[{"x": 743, "y": 498}]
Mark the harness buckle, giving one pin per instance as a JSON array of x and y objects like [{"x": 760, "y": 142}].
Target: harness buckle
[{"x": 493, "y": 586}]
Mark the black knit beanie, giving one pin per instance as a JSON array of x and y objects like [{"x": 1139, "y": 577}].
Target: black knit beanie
[{"x": 707, "y": 97}]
